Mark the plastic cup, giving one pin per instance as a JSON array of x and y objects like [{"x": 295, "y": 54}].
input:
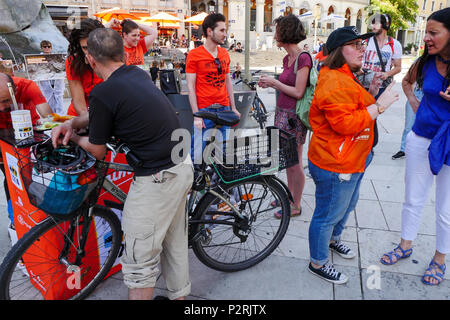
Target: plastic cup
[{"x": 21, "y": 121}]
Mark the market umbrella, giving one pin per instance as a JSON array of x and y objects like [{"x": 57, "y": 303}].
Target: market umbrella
[
  {"x": 116, "y": 13},
  {"x": 306, "y": 15},
  {"x": 197, "y": 19},
  {"x": 163, "y": 17},
  {"x": 333, "y": 17},
  {"x": 143, "y": 20},
  {"x": 169, "y": 25}
]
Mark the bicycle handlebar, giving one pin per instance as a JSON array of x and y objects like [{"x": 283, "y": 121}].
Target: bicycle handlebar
[{"x": 245, "y": 80}]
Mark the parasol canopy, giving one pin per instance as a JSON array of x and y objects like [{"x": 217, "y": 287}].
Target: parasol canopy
[
  {"x": 163, "y": 17},
  {"x": 116, "y": 13},
  {"x": 333, "y": 17},
  {"x": 197, "y": 19}
]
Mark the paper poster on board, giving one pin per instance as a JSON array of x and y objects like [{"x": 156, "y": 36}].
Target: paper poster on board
[
  {"x": 13, "y": 168},
  {"x": 45, "y": 66}
]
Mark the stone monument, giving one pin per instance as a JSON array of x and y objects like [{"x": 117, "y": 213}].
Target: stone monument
[{"x": 23, "y": 25}]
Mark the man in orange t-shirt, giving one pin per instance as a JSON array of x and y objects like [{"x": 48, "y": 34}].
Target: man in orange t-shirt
[
  {"x": 27, "y": 93},
  {"x": 30, "y": 96},
  {"x": 208, "y": 80}
]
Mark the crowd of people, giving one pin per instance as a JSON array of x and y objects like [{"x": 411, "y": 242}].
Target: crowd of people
[{"x": 113, "y": 97}]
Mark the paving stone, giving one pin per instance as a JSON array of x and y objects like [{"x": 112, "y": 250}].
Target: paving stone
[
  {"x": 396, "y": 286},
  {"x": 374, "y": 243},
  {"x": 370, "y": 215}
]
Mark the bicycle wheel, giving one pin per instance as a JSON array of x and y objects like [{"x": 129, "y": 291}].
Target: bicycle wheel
[
  {"x": 259, "y": 112},
  {"x": 34, "y": 269},
  {"x": 245, "y": 243}
]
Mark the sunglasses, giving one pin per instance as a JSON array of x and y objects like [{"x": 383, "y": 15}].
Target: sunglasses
[
  {"x": 46, "y": 46},
  {"x": 219, "y": 66}
]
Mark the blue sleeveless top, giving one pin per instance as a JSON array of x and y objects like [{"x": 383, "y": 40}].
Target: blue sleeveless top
[{"x": 434, "y": 110}]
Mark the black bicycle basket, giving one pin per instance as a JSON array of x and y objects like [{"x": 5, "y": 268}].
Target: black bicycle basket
[
  {"x": 244, "y": 157},
  {"x": 59, "y": 180}
]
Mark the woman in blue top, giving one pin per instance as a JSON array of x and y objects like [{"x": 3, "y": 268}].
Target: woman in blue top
[{"x": 430, "y": 130}]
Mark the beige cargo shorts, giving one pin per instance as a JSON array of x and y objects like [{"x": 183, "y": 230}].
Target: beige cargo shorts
[{"x": 156, "y": 230}]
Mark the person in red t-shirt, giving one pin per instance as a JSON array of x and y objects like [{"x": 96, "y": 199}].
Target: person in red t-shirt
[
  {"x": 30, "y": 96},
  {"x": 27, "y": 93},
  {"x": 135, "y": 46},
  {"x": 79, "y": 73},
  {"x": 208, "y": 80}
]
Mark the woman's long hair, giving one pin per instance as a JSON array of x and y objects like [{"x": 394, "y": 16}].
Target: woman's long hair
[
  {"x": 78, "y": 63},
  {"x": 442, "y": 16}
]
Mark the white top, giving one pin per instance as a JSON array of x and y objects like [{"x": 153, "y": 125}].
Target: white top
[{"x": 390, "y": 51}]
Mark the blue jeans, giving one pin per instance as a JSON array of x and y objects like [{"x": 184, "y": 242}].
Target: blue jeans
[
  {"x": 336, "y": 196},
  {"x": 410, "y": 117},
  {"x": 198, "y": 139}
]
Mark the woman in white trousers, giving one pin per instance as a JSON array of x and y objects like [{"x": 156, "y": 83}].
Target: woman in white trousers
[{"x": 427, "y": 153}]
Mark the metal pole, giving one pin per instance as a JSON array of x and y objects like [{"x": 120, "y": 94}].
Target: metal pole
[
  {"x": 315, "y": 31},
  {"x": 247, "y": 39},
  {"x": 188, "y": 40}
]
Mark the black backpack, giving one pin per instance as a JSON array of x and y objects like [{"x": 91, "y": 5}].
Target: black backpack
[{"x": 169, "y": 81}]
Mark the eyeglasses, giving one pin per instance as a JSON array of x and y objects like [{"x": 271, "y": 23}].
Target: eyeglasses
[
  {"x": 219, "y": 66},
  {"x": 358, "y": 45},
  {"x": 46, "y": 47}
]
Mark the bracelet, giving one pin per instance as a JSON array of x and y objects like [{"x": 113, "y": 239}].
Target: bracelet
[{"x": 380, "y": 108}]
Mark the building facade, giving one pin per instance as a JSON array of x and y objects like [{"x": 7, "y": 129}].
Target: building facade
[
  {"x": 262, "y": 12},
  {"x": 416, "y": 31}
]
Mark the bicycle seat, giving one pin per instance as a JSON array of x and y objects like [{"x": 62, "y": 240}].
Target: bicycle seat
[{"x": 224, "y": 118}]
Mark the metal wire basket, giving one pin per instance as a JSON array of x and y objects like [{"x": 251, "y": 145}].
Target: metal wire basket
[
  {"x": 244, "y": 157},
  {"x": 56, "y": 189}
]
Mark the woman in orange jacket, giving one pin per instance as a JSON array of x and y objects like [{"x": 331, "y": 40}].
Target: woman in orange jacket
[{"x": 342, "y": 118}]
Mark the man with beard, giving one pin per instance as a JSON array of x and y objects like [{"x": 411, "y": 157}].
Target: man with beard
[
  {"x": 390, "y": 63},
  {"x": 208, "y": 80}
]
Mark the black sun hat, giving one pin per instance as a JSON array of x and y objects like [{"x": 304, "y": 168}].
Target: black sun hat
[{"x": 345, "y": 34}]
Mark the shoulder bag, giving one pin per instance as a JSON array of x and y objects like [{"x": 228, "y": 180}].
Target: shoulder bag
[{"x": 304, "y": 104}]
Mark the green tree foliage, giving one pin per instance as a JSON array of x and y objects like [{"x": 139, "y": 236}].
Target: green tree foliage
[{"x": 401, "y": 12}]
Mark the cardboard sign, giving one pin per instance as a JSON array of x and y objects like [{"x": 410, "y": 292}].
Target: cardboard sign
[{"x": 45, "y": 66}]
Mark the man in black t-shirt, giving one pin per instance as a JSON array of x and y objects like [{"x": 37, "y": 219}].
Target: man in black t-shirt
[{"x": 128, "y": 106}]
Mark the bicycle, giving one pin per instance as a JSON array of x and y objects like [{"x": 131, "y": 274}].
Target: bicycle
[
  {"x": 257, "y": 110},
  {"x": 231, "y": 228}
]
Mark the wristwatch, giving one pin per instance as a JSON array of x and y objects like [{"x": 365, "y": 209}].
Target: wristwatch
[{"x": 380, "y": 108}]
